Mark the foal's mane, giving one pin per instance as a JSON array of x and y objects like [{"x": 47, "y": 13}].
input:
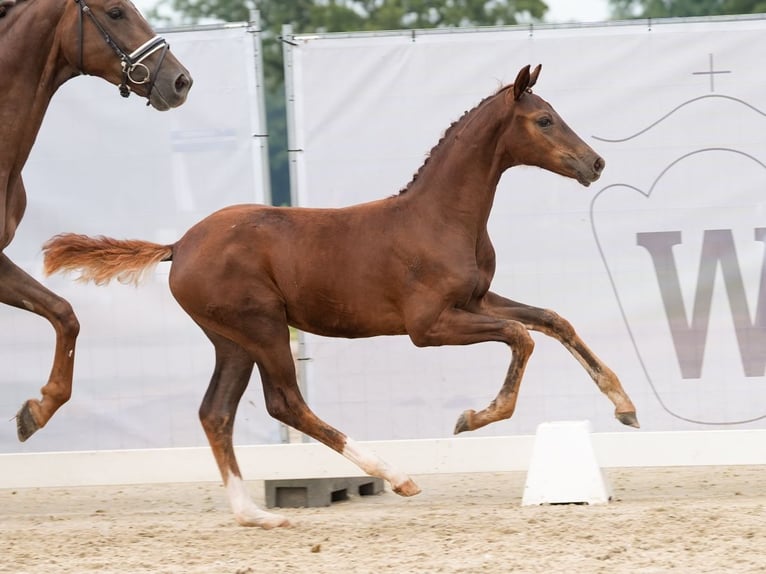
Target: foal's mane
[{"x": 453, "y": 127}]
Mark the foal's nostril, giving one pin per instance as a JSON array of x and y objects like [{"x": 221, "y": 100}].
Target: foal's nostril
[{"x": 599, "y": 165}]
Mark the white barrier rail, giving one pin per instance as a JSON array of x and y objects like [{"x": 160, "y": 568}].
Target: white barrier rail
[{"x": 422, "y": 456}]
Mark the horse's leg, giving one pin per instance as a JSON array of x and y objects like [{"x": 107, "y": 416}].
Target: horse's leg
[
  {"x": 20, "y": 290},
  {"x": 460, "y": 327},
  {"x": 268, "y": 340},
  {"x": 551, "y": 324},
  {"x": 233, "y": 367}
]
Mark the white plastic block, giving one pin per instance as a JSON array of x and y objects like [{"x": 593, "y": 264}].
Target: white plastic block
[{"x": 563, "y": 468}]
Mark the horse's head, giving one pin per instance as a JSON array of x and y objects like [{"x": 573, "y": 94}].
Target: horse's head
[
  {"x": 111, "y": 39},
  {"x": 546, "y": 140}
]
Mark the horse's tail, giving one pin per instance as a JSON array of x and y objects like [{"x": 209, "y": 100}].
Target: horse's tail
[{"x": 101, "y": 259}]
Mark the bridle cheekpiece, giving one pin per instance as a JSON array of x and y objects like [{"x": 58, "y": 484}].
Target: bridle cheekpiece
[{"x": 134, "y": 71}]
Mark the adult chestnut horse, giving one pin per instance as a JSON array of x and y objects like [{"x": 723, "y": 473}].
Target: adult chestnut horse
[
  {"x": 419, "y": 263},
  {"x": 44, "y": 43}
]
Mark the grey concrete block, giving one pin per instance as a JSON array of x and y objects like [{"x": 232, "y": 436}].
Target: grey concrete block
[{"x": 314, "y": 492}]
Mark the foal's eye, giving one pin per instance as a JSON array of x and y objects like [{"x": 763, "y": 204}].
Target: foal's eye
[
  {"x": 544, "y": 122},
  {"x": 115, "y": 13}
]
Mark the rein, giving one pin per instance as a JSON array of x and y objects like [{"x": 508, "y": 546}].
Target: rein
[{"x": 133, "y": 68}]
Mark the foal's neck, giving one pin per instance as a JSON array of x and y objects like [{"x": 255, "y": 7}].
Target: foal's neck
[{"x": 460, "y": 177}]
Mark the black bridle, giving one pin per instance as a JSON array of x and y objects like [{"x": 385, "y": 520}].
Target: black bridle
[{"x": 133, "y": 68}]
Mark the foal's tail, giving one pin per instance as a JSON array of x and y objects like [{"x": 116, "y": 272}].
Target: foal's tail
[{"x": 101, "y": 259}]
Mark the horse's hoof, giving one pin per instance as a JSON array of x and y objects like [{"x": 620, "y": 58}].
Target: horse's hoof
[
  {"x": 26, "y": 425},
  {"x": 628, "y": 419},
  {"x": 408, "y": 488},
  {"x": 262, "y": 519},
  {"x": 276, "y": 522},
  {"x": 462, "y": 421}
]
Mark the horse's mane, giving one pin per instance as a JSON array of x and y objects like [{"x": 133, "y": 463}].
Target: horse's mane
[
  {"x": 450, "y": 130},
  {"x": 5, "y": 6}
]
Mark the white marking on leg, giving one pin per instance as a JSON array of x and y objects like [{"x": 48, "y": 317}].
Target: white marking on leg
[
  {"x": 373, "y": 465},
  {"x": 246, "y": 512}
]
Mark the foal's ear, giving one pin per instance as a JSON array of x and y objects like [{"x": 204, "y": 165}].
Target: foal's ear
[
  {"x": 533, "y": 75},
  {"x": 521, "y": 84}
]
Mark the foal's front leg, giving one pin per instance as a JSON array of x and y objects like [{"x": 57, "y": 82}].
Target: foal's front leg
[
  {"x": 460, "y": 327},
  {"x": 553, "y": 325},
  {"x": 20, "y": 290}
]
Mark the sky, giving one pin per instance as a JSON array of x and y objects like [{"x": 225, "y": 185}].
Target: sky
[
  {"x": 577, "y": 10},
  {"x": 558, "y": 10}
]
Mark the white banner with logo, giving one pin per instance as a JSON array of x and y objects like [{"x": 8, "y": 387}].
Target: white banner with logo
[
  {"x": 660, "y": 265},
  {"x": 104, "y": 165}
]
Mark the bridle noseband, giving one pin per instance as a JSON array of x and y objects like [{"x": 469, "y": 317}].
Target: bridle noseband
[{"x": 133, "y": 68}]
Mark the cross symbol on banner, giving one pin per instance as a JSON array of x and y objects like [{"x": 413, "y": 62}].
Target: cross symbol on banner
[{"x": 712, "y": 73}]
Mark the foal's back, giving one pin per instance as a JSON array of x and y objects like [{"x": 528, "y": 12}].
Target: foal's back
[{"x": 335, "y": 272}]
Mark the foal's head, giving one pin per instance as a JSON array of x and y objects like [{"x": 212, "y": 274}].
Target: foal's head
[
  {"x": 538, "y": 136},
  {"x": 112, "y": 40}
]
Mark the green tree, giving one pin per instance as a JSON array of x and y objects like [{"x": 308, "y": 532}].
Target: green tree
[
  {"x": 345, "y": 15},
  {"x": 683, "y": 8},
  {"x": 307, "y": 16}
]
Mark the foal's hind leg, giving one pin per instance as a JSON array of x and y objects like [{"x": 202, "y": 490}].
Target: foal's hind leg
[
  {"x": 553, "y": 325},
  {"x": 233, "y": 367},
  {"x": 20, "y": 290},
  {"x": 269, "y": 342}
]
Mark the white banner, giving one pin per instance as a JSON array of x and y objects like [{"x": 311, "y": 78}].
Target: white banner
[
  {"x": 104, "y": 165},
  {"x": 659, "y": 265}
]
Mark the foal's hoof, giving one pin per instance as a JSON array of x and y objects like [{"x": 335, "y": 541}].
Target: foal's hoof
[
  {"x": 262, "y": 519},
  {"x": 407, "y": 488},
  {"x": 26, "y": 425},
  {"x": 276, "y": 522},
  {"x": 463, "y": 421},
  {"x": 628, "y": 419}
]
